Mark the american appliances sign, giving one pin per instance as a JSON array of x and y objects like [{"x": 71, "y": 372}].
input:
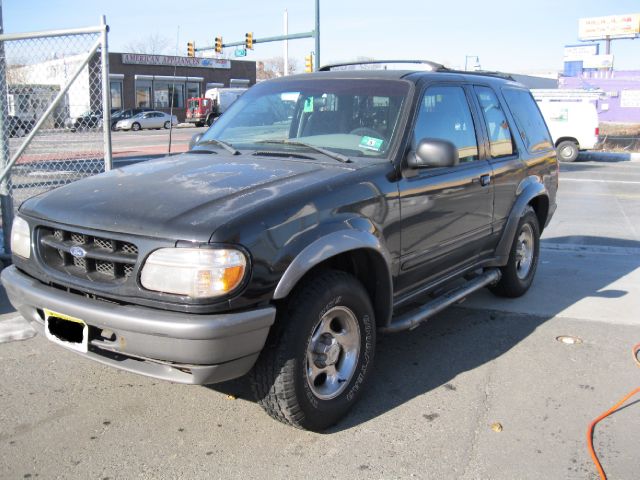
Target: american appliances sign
[{"x": 171, "y": 61}]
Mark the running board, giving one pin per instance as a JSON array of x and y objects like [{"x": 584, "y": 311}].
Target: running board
[{"x": 413, "y": 319}]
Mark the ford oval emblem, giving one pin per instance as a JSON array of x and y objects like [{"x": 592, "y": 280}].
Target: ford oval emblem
[{"x": 78, "y": 252}]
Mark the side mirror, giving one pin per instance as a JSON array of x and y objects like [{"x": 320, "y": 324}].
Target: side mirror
[
  {"x": 195, "y": 139},
  {"x": 433, "y": 152}
]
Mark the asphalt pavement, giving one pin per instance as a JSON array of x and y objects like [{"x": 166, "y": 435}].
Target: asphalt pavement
[{"x": 482, "y": 391}]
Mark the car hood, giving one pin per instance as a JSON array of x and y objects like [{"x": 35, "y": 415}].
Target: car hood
[{"x": 180, "y": 197}]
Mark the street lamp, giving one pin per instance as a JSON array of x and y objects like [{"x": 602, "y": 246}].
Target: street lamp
[{"x": 476, "y": 65}]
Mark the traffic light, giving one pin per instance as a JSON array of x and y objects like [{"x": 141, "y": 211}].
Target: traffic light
[
  {"x": 191, "y": 49},
  {"x": 308, "y": 63},
  {"x": 218, "y": 47},
  {"x": 248, "y": 40}
]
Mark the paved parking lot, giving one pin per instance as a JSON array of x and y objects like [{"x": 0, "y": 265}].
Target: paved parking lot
[{"x": 435, "y": 395}]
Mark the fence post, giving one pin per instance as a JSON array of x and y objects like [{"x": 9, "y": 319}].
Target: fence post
[
  {"x": 6, "y": 202},
  {"x": 106, "y": 96}
]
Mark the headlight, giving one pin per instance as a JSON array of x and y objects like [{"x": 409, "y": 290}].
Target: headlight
[
  {"x": 21, "y": 238},
  {"x": 196, "y": 272}
]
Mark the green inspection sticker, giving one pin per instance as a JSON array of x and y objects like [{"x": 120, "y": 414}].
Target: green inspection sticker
[
  {"x": 371, "y": 143},
  {"x": 308, "y": 105}
]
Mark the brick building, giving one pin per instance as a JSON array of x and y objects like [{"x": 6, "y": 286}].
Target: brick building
[{"x": 155, "y": 81}]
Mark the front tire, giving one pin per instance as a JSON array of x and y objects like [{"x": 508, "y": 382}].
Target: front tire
[
  {"x": 167, "y": 125},
  {"x": 568, "y": 151},
  {"x": 135, "y": 127},
  {"x": 320, "y": 353},
  {"x": 518, "y": 273}
]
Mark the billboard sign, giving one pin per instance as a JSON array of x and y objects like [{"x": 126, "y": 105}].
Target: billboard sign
[
  {"x": 574, "y": 53},
  {"x": 630, "y": 98},
  {"x": 598, "y": 61},
  {"x": 171, "y": 61},
  {"x": 614, "y": 26}
]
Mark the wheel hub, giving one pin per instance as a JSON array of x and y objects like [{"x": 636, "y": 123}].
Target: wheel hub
[
  {"x": 524, "y": 252},
  {"x": 332, "y": 353},
  {"x": 327, "y": 351}
]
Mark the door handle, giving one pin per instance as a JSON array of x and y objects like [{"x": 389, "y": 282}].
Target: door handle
[{"x": 485, "y": 180}]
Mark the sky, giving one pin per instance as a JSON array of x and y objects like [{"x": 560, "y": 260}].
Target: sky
[{"x": 511, "y": 36}]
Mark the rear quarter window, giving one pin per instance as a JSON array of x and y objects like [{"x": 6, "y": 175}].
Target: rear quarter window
[{"x": 531, "y": 126}]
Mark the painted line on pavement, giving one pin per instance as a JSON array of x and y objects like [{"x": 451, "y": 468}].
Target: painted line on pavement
[
  {"x": 576, "y": 247},
  {"x": 626, "y": 182}
]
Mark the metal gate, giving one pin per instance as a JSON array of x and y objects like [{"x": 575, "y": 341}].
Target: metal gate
[{"x": 54, "y": 112}]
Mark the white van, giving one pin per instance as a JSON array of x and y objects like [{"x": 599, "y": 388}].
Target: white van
[{"x": 573, "y": 125}]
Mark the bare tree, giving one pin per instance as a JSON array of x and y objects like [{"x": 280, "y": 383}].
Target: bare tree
[
  {"x": 274, "y": 67},
  {"x": 154, "y": 44}
]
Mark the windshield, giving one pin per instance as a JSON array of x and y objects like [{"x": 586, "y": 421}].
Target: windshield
[{"x": 355, "y": 117}]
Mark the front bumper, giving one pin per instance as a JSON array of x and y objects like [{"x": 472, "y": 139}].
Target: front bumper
[{"x": 179, "y": 347}]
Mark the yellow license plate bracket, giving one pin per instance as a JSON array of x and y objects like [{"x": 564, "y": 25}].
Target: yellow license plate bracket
[{"x": 70, "y": 332}]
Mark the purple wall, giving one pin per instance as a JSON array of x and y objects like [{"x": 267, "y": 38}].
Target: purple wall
[{"x": 613, "y": 84}]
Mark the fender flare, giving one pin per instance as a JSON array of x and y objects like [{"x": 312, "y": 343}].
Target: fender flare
[
  {"x": 333, "y": 244},
  {"x": 529, "y": 188}
]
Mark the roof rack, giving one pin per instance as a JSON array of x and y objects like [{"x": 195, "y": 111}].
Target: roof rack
[
  {"x": 434, "y": 65},
  {"x": 486, "y": 73}
]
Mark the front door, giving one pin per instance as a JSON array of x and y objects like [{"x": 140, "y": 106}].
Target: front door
[{"x": 446, "y": 211}]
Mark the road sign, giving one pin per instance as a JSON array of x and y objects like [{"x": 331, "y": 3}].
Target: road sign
[{"x": 241, "y": 52}]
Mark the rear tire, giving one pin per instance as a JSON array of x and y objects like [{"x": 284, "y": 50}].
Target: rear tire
[
  {"x": 567, "y": 151},
  {"x": 319, "y": 354},
  {"x": 518, "y": 273},
  {"x": 135, "y": 127}
]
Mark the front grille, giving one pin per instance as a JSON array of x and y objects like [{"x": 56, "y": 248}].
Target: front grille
[{"x": 100, "y": 259}]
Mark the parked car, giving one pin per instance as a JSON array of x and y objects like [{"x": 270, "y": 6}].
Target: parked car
[
  {"x": 19, "y": 127},
  {"x": 573, "y": 126},
  {"x": 144, "y": 120},
  {"x": 88, "y": 120},
  {"x": 125, "y": 114},
  {"x": 284, "y": 242}
]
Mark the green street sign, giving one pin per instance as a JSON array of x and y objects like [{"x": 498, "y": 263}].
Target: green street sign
[{"x": 241, "y": 52}]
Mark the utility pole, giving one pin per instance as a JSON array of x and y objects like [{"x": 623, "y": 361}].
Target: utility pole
[
  {"x": 286, "y": 44},
  {"x": 317, "y": 35}
]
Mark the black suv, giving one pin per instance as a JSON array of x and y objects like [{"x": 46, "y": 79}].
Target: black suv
[{"x": 287, "y": 239}]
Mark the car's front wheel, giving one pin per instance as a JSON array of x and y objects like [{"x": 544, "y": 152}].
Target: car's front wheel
[
  {"x": 320, "y": 353},
  {"x": 135, "y": 127},
  {"x": 167, "y": 125}
]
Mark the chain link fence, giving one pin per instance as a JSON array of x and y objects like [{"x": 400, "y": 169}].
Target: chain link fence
[
  {"x": 69, "y": 144},
  {"x": 55, "y": 111}
]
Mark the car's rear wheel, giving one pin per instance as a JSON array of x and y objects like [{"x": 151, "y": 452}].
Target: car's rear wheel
[
  {"x": 518, "y": 273},
  {"x": 167, "y": 125},
  {"x": 568, "y": 151},
  {"x": 319, "y": 355},
  {"x": 135, "y": 127}
]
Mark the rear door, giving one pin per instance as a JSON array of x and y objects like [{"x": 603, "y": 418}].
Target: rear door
[
  {"x": 446, "y": 211},
  {"x": 508, "y": 168}
]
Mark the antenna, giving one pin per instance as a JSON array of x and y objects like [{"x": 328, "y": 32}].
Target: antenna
[{"x": 173, "y": 91}]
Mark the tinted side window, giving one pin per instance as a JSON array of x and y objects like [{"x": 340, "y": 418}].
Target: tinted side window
[
  {"x": 500, "y": 141},
  {"x": 444, "y": 114},
  {"x": 530, "y": 123}
]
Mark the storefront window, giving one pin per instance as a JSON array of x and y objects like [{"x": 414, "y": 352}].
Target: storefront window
[
  {"x": 143, "y": 93},
  {"x": 116, "y": 95},
  {"x": 193, "y": 90},
  {"x": 164, "y": 92}
]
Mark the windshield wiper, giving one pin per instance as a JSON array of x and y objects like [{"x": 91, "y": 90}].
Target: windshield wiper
[
  {"x": 227, "y": 146},
  {"x": 324, "y": 151}
]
